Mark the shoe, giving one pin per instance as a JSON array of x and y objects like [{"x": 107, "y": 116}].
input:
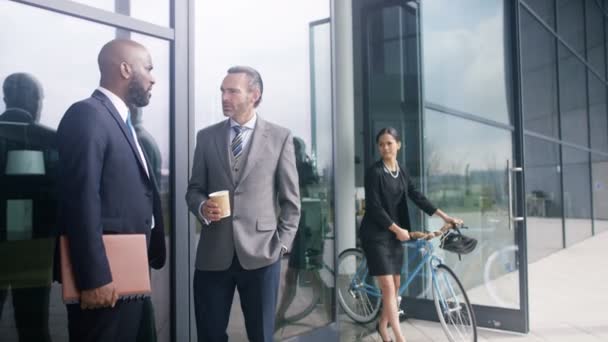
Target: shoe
[{"x": 379, "y": 334}]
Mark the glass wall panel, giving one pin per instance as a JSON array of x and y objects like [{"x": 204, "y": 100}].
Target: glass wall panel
[
  {"x": 543, "y": 198},
  {"x": 293, "y": 59},
  {"x": 598, "y": 114},
  {"x": 545, "y": 9},
  {"x": 156, "y": 12},
  {"x": 152, "y": 127},
  {"x": 571, "y": 24},
  {"x": 30, "y": 305},
  {"x": 572, "y": 98},
  {"x": 577, "y": 194},
  {"x": 596, "y": 48},
  {"x": 467, "y": 178},
  {"x": 539, "y": 77},
  {"x": 466, "y": 57},
  {"x": 599, "y": 168}
]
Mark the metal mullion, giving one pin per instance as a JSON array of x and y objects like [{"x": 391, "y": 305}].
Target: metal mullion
[
  {"x": 101, "y": 16},
  {"x": 588, "y": 105},
  {"x": 468, "y": 116}
]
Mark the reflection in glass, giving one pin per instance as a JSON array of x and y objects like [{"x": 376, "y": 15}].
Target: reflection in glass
[
  {"x": 544, "y": 9},
  {"x": 572, "y": 98},
  {"x": 294, "y": 62},
  {"x": 570, "y": 24},
  {"x": 28, "y": 160},
  {"x": 577, "y": 196},
  {"x": 543, "y": 198},
  {"x": 156, "y": 12},
  {"x": 596, "y": 43},
  {"x": 539, "y": 77},
  {"x": 599, "y": 168},
  {"x": 28, "y": 200},
  {"x": 467, "y": 177},
  {"x": 466, "y": 57},
  {"x": 152, "y": 124},
  {"x": 598, "y": 114}
]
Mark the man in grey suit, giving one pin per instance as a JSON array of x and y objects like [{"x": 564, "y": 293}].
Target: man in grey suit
[{"x": 255, "y": 161}]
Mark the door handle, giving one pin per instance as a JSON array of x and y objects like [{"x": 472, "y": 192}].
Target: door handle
[{"x": 510, "y": 171}]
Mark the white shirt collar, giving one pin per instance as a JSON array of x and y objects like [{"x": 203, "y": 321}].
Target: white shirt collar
[
  {"x": 118, "y": 103},
  {"x": 249, "y": 124}
]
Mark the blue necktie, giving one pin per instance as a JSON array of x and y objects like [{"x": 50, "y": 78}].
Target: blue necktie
[
  {"x": 237, "y": 142},
  {"x": 129, "y": 124}
]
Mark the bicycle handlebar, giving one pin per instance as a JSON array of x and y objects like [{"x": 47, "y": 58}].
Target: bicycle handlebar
[{"x": 431, "y": 235}]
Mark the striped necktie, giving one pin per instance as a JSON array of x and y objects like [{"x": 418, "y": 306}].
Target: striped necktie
[{"x": 237, "y": 142}]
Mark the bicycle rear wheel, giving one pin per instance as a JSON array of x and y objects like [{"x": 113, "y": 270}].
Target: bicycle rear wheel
[
  {"x": 352, "y": 276},
  {"x": 307, "y": 298},
  {"x": 453, "y": 306}
]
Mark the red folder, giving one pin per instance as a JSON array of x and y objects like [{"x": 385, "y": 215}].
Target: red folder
[{"x": 128, "y": 258}]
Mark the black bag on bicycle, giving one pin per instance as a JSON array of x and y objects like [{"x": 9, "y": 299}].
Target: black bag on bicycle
[{"x": 456, "y": 242}]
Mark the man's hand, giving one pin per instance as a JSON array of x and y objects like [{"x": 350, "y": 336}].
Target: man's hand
[
  {"x": 211, "y": 211},
  {"x": 101, "y": 297}
]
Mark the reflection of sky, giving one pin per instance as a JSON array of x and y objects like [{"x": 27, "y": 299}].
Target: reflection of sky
[
  {"x": 464, "y": 56},
  {"x": 61, "y": 51},
  {"x": 269, "y": 35},
  {"x": 452, "y": 143},
  {"x": 156, "y": 11}
]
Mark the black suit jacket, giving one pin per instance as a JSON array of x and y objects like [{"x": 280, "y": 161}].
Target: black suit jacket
[
  {"x": 103, "y": 189},
  {"x": 376, "y": 220}
]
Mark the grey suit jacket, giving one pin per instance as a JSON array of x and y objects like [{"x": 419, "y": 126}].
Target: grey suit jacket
[{"x": 265, "y": 201}]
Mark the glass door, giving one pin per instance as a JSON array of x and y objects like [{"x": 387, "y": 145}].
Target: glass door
[{"x": 460, "y": 147}]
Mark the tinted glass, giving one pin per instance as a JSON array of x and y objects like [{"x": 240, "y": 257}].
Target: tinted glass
[
  {"x": 577, "y": 194},
  {"x": 572, "y": 98},
  {"x": 599, "y": 167},
  {"x": 467, "y": 178},
  {"x": 545, "y": 9},
  {"x": 598, "y": 114},
  {"x": 466, "y": 57},
  {"x": 596, "y": 41},
  {"x": 539, "y": 77},
  {"x": 27, "y": 206},
  {"x": 571, "y": 24},
  {"x": 543, "y": 198}
]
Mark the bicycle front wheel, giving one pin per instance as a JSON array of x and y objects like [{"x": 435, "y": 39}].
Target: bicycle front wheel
[
  {"x": 453, "y": 306},
  {"x": 354, "y": 284}
]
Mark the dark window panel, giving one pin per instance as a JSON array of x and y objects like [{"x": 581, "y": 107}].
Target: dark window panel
[
  {"x": 539, "y": 77},
  {"x": 544, "y": 9},
  {"x": 543, "y": 197},
  {"x": 577, "y": 196},
  {"x": 570, "y": 24},
  {"x": 598, "y": 114},
  {"x": 596, "y": 48},
  {"x": 572, "y": 98}
]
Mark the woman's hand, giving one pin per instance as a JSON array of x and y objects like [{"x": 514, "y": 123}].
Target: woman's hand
[
  {"x": 448, "y": 219},
  {"x": 456, "y": 222},
  {"x": 402, "y": 234}
]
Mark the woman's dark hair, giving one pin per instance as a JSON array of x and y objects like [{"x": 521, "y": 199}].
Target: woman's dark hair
[{"x": 388, "y": 130}]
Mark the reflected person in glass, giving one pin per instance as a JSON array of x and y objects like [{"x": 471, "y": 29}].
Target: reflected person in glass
[
  {"x": 106, "y": 187},
  {"x": 386, "y": 225},
  {"x": 307, "y": 251},
  {"x": 27, "y": 208}
]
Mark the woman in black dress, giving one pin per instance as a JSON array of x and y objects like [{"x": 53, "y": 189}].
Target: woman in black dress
[{"x": 386, "y": 224}]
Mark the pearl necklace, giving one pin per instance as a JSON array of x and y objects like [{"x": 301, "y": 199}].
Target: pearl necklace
[{"x": 387, "y": 170}]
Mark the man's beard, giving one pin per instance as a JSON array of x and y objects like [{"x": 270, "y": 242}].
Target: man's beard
[{"x": 136, "y": 94}]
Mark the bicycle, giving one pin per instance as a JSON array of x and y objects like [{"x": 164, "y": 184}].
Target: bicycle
[{"x": 360, "y": 296}]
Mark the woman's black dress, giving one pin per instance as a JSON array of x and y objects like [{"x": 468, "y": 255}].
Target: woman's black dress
[{"x": 385, "y": 204}]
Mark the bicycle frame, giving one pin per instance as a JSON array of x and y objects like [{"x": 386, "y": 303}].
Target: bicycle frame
[{"x": 424, "y": 247}]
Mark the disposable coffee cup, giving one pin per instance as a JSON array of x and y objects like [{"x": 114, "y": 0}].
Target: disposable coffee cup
[{"x": 222, "y": 199}]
